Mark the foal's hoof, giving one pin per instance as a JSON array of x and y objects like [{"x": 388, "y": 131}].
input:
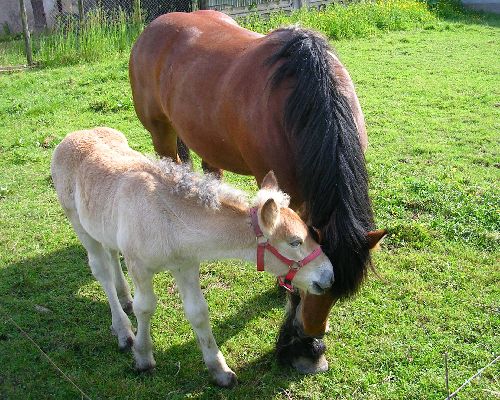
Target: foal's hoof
[
  {"x": 225, "y": 379},
  {"x": 126, "y": 344},
  {"x": 145, "y": 367}
]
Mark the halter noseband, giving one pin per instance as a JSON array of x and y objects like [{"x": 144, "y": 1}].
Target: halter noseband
[{"x": 263, "y": 245}]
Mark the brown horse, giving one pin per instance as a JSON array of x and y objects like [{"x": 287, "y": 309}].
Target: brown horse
[{"x": 251, "y": 103}]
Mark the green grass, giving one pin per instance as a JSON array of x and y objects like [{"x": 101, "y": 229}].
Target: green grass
[
  {"x": 12, "y": 52},
  {"x": 430, "y": 99}
]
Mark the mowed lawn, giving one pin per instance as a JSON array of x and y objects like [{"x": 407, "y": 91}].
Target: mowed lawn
[{"x": 432, "y": 104}]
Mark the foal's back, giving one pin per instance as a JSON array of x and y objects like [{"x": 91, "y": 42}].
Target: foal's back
[{"x": 99, "y": 179}]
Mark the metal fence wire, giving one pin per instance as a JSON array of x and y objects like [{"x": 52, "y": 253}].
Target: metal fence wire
[
  {"x": 62, "y": 10},
  {"x": 50, "y": 14}
]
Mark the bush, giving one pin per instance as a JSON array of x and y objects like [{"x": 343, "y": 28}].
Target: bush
[{"x": 355, "y": 20}]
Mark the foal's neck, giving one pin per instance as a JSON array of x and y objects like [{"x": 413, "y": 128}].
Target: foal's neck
[{"x": 231, "y": 235}]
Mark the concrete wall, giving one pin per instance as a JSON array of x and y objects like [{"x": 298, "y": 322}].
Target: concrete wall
[
  {"x": 483, "y": 5},
  {"x": 10, "y": 14},
  {"x": 266, "y": 7}
]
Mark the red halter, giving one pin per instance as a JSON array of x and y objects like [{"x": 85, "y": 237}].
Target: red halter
[{"x": 263, "y": 245}]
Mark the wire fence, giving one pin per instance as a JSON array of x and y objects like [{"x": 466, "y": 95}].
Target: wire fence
[
  {"x": 43, "y": 15},
  {"x": 47, "y": 14},
  {"x": 68, "y": 21},
  {"x": 150, "y": 9}
]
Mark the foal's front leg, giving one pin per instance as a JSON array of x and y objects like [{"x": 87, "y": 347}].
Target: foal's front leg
[{"x": 196, "y": 310}]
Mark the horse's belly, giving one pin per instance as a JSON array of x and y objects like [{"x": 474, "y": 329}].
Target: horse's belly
[{"x": 214, "y": 148}]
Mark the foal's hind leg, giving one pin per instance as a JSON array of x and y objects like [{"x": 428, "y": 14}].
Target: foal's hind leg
[
  {"x": 102, "y": 269},
  {"x": 196, "y": 310},
  {"x": 121, "y": 284},
  {"x": 144, "y": 307}
]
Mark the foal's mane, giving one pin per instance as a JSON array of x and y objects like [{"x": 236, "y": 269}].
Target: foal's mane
[
  {"x": 206, "y": 190},
  {"x": 329, "y": 160}
]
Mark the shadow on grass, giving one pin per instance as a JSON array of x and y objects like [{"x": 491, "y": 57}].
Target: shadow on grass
[{"x": 43, "y": 296}]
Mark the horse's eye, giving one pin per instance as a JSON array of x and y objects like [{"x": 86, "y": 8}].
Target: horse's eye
[{"x": 295, "y": 243}]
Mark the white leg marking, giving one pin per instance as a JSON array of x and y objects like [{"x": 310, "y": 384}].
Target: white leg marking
[
  {"x": 121, "y": 284},
  {"x": 196, "y": 310},
  {"x": 103, "y": 271},
  {"x": 144, "y": 305}
]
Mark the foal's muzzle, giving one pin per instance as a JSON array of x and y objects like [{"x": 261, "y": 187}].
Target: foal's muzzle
[{"x": 324, "y": 282}]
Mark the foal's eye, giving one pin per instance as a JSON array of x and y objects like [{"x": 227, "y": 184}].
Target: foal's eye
[{"x": 295, "y": 243}]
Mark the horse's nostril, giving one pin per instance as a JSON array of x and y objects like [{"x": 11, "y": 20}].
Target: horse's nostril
[{"x": 325, "y": 279}]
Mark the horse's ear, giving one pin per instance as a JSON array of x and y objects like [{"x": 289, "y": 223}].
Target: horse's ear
[
  {"x": 269, "y": 216},
  {"x": 269, "y": 181},
  {"x": 375, "y": 238}
]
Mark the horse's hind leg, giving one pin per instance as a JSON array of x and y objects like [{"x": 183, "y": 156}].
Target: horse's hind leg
[
  {"x": 183, "y": 151},
  {"x": 102, "y": 270},
  {"x": 196, "y": 310},
  {"x": 164, "y": 138},
  {"x": 208, "y": 169}
]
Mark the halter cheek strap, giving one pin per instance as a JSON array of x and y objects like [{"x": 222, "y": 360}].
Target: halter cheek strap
[{"x": 263, "y": 245}]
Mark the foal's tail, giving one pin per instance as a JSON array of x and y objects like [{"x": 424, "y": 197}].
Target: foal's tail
[{"x": 329, "y": 160}]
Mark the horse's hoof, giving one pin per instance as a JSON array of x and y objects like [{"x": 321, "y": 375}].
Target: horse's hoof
[
  {"x": 226, "y": 379},
  {"x": 307, "y": 366}
]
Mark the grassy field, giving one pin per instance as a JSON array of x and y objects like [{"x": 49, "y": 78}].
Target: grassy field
[{"x": 431, "y": 100}]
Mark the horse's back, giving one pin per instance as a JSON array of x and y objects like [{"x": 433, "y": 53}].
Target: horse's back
[{"x": 180, "y": 55}]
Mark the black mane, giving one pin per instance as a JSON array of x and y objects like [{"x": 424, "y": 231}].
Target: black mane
[{"x": 329, "y": 159}]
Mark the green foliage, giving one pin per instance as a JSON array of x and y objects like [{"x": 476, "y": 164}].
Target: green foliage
[{"x": 355, "y": 20}]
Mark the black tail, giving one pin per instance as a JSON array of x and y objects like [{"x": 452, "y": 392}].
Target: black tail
[
  {"x": 329, "y": 159},
  {"x": 183, "y": 151}
]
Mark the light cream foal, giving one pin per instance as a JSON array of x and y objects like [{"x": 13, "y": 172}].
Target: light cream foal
[{"x": 162, "y": 216}]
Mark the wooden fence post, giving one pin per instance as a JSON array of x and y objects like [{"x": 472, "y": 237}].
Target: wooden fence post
[
  {"x": 296, "y": 4},
  {"x": 202, "y": 4},
  {"x": 26, "y": 32},
  {"x": 80, "y": 10}
]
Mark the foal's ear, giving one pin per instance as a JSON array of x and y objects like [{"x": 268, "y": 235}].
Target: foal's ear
[
  {"x": 269, "y": 181},
  {"x": 375, "y": 238},
  {"x": 269, "y": 216}
]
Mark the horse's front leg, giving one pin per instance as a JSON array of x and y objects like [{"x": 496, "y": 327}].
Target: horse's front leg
[
  {"x": 196, "y": 310},
  {"x": 144, "y": 306},
  {"x": 294, "y": 347}
]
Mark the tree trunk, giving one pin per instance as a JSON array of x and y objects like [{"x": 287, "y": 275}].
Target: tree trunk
[{"x": 39, "y": 15}]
